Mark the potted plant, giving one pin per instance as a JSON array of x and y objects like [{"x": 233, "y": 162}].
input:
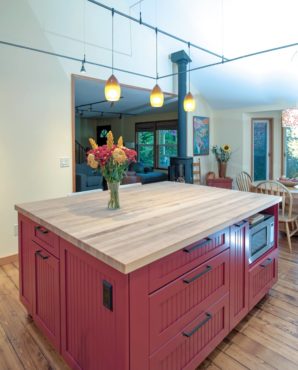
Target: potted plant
[{"x": 222, "y": 155}]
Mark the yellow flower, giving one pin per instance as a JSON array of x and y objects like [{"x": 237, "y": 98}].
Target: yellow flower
[
  {"x": 91, "y": 161},
  {"x": 110, "y": 140},
  {"x": 119, "y": 156},
  {"x": 120, "y": 142},
  {"x": 226, "y": 148},
  {"x": 93, "y": 143}
]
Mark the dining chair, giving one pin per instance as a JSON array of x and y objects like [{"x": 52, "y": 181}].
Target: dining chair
[
  {"x": 244, "y": 181},
  {"x": 288, "y": 221}
]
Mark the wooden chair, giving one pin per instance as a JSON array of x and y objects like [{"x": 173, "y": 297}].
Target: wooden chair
[
  {"x": 287, "y": 220},
  {"x": 197, "y": 172},
  {"x": 244, "y": 181}
]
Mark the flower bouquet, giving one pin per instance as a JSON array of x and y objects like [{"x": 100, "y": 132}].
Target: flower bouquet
[
  {"x": 113, "y": 161},
  {"x": 222, "y": 155}
]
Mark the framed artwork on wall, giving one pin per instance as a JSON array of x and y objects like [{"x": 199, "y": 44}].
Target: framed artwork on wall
[{"x": 201, "y": 133}]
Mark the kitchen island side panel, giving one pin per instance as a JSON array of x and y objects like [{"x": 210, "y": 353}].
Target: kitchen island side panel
[{"x": 95, "y": 331}]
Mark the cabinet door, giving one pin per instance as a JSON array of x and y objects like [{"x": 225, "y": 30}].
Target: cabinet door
[
  {"x": 238, "y": 273},
  {"x": 26, "y": 263},
  {"x": 261, "y": 277},
  {"x": 47, "y": 294}
]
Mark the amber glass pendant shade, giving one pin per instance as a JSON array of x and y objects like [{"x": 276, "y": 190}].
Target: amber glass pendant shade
[
  {"x": 112, "y": 89},
  {"x": 189, "y": 103},
  {"x": 156, "y": 97}
]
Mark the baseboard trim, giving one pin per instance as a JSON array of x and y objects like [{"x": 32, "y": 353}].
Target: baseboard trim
[{"x": 8, "y": 259}]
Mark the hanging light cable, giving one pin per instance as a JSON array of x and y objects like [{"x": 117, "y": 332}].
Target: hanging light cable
[
  {"x": 112, "y": 87},
  {"x": 83, "y": 70},
  {"x": 156, "y": 96},
  {"x": 189, "y": 103}
]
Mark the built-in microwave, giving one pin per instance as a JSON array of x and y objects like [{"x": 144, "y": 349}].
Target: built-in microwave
[{"x": 261, "y": 237}]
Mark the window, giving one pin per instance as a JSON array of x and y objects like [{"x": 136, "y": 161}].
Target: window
[
  {"x": 145, "y": 142},
  {"x": 291, "y": 151},
  {"x": 156, "y": 142},
  {"x": 167, "y": 147}
]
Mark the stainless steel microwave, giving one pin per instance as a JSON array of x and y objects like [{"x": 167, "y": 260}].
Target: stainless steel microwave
[{"x": 261, "y": 237}]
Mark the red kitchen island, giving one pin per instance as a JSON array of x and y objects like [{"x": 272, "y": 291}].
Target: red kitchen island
[{"x": 156, "y": 285}]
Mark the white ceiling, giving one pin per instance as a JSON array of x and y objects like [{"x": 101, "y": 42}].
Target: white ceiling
[
  {"x": 134, "y": 101},
  {"x": 234, "y": 28}
]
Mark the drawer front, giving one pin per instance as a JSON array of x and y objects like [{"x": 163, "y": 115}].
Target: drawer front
[
  {"x": 175, "y": 305},
  {"x": 176, "y": 264},
  {"x": 195, "y": 341},
  {"x": 261, "y": 277},
  {"x": 46, "y": 239}
]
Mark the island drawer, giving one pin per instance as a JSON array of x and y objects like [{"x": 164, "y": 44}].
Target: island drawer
[
  {"x": 261, "y": 277},
  {"x": 176, "y": 264},
  {"x": 181, "y": 301},
  {"x": 196, "y": 340},
  {"x": 47, "y": 239}
]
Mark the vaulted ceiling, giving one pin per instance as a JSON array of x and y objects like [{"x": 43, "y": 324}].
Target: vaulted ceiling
[{"x": 232, "y": 28}]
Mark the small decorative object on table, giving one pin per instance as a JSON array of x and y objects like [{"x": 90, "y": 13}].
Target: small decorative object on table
[
  {"x": 222, "y": 155},
  {"x": 113, "y": 161}
]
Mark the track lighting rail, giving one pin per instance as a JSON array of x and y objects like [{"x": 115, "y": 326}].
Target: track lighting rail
[{"x": 155, "y": 29}]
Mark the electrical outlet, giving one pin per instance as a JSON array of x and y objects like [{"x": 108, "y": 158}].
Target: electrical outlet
[
  {"x": 64, "y": 162},
  {"x": 15, "y": 230}
]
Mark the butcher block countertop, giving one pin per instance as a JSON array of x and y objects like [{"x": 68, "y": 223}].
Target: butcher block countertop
[{"x": 154, "y": 220}]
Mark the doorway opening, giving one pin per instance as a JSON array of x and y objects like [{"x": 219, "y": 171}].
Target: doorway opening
[
  {"x": 262, "y": 146},
  {"x": 93, "y": 116}
]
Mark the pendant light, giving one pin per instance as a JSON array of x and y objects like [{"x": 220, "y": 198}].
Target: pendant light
[
  {"x": 189, "y": 103},
  {"x": 112, "y": 87},
  {"x": 156, "y": 96}
]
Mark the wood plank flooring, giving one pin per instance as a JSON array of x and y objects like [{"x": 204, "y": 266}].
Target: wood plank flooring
[{"x": 266, "y": 339}]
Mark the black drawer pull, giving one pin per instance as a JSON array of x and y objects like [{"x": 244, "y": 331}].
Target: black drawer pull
[
  {"x": 202, "y": 323},
  {"x": 267, "y": 262},
  {"x": 41, "y": 230},
  {"x": 188, "y": 281},
  {"x": 197, "y": 246},
  {"x": 241, "y": 223},
  {"x": 38, "y": 253}
]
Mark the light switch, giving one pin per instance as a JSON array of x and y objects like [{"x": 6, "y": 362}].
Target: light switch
[{"x": 64, "y": 162}]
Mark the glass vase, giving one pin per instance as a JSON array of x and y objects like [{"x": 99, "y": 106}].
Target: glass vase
[{"x": 114, "y": 195}]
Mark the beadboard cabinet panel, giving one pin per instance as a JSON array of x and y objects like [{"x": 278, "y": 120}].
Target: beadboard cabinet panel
[
  {"x": 47, "y": 294},
  {"x": 238, "y": 272},
  {"x": 94, "y": 337}
]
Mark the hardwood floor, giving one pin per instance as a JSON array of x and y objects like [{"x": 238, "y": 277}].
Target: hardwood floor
[{"x": 266, "y": 339}]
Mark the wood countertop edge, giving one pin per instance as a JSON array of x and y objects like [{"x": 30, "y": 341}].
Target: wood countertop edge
[{"x": 129, "y": 267}]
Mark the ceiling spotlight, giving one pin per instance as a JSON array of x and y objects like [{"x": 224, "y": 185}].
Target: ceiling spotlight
[
  {"x": 83, "y": 70},
  {"x": 112, "y": 87}
]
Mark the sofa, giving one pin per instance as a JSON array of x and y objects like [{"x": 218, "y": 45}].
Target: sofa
[
  {"x": 87, "y": 178},
  {"x": 147, "y": 174}
]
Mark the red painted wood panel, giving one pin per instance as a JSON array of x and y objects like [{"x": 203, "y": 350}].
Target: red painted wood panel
[
  {"x": 176, "y": 264},
  {"x": 175, "y": 305},
  {"x": 93, "y": 337},
  {"x": 186, "y": 353},
  {"x": 139, "y": 319},
  {"x": 238, "y": 273},
  {"x": 26, "y": 263},
  {"x": 262, "y": 277},
  {"x": 47, "y": 294}
]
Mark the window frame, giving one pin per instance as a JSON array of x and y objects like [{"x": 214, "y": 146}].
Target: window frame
[{"x": 155, "y": 126}]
